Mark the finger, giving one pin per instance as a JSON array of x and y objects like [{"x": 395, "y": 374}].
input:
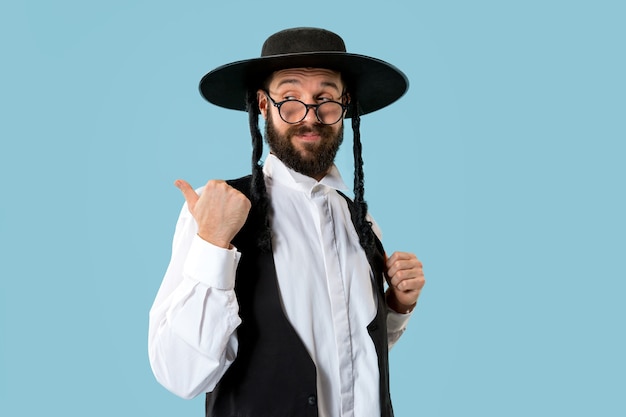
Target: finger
[
  {"x": 402, "y": 265},
  {"x": 406, "y": 271},
  {"x": 396, "y": 256},
  {"x": 405, "y": 275},
  {"x": 191, "y": 197},
  {"x": 410, "y": 284}
]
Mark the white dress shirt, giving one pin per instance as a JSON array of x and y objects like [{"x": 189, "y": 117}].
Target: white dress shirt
[{"x": 326, "y": 290}]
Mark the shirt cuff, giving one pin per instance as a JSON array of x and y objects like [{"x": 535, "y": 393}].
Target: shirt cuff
[
  {"x": 211, "y": 265},
  {"x": 397, "y": 321}
]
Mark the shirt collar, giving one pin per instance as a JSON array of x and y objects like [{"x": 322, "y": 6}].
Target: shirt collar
[{"x": 275, "y": 169}]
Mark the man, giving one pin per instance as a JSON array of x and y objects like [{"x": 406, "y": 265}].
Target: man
[{"x": 273, "y": 302}]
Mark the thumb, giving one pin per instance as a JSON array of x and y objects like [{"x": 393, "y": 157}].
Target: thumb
[{"x": 191, "y": 197}]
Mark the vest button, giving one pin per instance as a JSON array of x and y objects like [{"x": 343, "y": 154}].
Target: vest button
[{"x": 312, "y": 400}]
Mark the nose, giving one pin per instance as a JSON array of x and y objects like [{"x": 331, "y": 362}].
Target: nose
[{"x": 311, "y": 115}]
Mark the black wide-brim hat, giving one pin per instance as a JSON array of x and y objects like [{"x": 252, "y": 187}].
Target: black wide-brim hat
[{"x": 375, "y": 83}]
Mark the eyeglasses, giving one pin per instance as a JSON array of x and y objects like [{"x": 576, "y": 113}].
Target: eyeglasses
[{"x": 294, "y": 111}]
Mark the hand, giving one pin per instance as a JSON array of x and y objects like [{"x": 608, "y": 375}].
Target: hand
[
  {"x": 406, "y": 280},
  {"x": 220, "y": 211}
]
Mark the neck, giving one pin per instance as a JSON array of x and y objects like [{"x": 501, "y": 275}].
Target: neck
[{"x": 318, "y": 177}]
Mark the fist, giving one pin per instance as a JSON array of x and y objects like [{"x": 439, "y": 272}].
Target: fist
[
  {"x": 220, "y": 211},
  {"x": 405, "y": 277}
]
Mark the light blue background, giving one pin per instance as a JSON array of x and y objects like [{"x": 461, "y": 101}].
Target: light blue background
[{"x": 502, "y": 168}]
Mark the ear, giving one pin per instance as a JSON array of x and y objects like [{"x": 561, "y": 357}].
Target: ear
[{"x": 262, "y": 100}]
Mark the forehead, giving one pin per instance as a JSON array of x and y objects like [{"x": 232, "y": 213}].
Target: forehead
[{"x": 307, "y": 77}]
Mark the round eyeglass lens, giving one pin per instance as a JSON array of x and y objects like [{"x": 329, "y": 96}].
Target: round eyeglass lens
[
  {"x": 292, "y": 111},
  {"x": 330, "y": 112}
]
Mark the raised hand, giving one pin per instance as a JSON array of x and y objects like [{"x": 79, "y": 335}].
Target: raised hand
[
  {"x": 220, "y": 211},
  {"x": 406, "y": 280}
]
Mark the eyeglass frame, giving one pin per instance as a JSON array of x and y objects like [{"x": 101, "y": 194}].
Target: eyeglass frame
[{"x": 344, "y": 108}]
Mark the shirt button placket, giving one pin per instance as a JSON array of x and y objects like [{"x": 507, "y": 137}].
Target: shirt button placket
[{"x": 338, "y": 301}]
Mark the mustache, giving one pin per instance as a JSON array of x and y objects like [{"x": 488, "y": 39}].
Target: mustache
[{"x": 322, "y": 130}]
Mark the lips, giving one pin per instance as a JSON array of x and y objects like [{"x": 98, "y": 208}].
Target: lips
[
  {"x": 309, "y": 133},
  {"x": 309, "y": 137}
]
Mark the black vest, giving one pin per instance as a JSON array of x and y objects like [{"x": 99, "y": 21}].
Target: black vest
[{"x": 273, "y": 374}]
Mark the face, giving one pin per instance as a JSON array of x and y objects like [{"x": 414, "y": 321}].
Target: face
[{"x": 308, "y": 147}]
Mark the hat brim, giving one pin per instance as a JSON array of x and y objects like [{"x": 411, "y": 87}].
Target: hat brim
[{"x": 375, "y": 82}]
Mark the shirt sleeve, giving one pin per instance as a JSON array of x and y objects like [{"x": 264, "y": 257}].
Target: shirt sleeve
[
  {"x": 396, "y": 325},
  {"x": 192, "y": 336}
]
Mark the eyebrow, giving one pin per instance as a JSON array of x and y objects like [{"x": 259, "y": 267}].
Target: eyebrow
[{"x": 297, "y": 82}]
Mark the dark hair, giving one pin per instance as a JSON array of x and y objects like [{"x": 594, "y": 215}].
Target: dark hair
[
  {"x": 362, "y": 225},
  {"x": 260, "y": 198}
]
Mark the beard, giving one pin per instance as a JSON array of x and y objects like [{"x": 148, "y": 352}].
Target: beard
[{"x": 316, "y": 158}]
